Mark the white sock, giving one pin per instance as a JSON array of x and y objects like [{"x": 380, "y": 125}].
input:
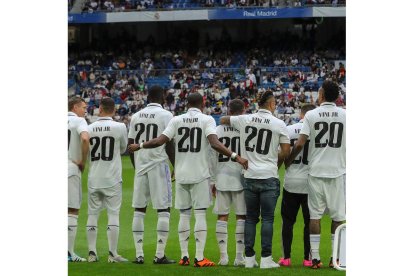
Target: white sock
[
  {"x": 332, "y": 243},
  {"x": 163, "y": 228},
  {"x": 113, "y": 233},
  {"x": 239, "y": 239},
  {"x": 200, "y": 232},
  {"x": 314, "y": 243},
  {"x": 222, "y": 236},
  {"x": 138, "y": 232},
  {"x": 72, "y": 228},
  {"x": 184, "y": 231},
  {"x": 92, "y": 232}
]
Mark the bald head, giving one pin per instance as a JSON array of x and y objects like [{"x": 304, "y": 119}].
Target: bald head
[{"x": 195, "y": 100}]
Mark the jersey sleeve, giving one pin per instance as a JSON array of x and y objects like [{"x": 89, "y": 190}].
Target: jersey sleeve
[
  {"x": 235, "y": 121},
  {"x": 284, "y": 135},
  {"x": 83, "y": 126},
  {"x": 210, "y": 126},
  {"x": 131, "y": 129},
  {"x": 123, "y": 139},
  {"x": 167, "y": 118},
  {"x": 306, "y": 126},
  {"x": 170, "y": 130}
]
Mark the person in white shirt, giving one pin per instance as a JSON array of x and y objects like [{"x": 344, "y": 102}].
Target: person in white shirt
[
  {"x": 194, "y": 132},
  {"x": 152, "y": 181},
  {"x": 228, "y": 178},
  {"x": 108, "y": 140},
  {"x": 78, "y": 149},
  {"x": 326, "y": 128},
  {"x": 261, "y": 134},
  {"x": 295, "y": 195}
]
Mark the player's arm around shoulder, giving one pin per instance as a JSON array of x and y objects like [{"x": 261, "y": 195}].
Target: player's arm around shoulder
[{"x": 123, "y": 137}]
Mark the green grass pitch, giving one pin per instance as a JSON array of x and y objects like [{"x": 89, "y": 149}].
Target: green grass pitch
[{"x": 126, "y": 243}]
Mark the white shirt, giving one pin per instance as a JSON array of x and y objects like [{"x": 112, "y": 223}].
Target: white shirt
[
  {"x": 226, "y": 172},
  {"x": 76, "y": 125},
  {"x": 108, "y": 140},
  {"x": 145, "y": 125},
  {"x": 326, "y": 128},
  {"x": 190, "y": 131},
  {"x": 296, "y": 176},
  {"x": 260, "y": 136}
]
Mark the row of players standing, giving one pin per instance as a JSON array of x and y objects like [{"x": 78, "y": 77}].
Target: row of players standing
[{"x": 254, "y": 195}]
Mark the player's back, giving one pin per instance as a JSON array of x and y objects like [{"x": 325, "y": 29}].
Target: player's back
[
  {"x": 147, "y": 124},
  {"x": 327, "y": 148},
  {"x": 108, "y": 140},
  {"x": 297, "y": 173},
  {"x": 261, "y": 133},
  {"x": 75, "y": 126},
  {"x": 228, "y": 172},
  {"x": 191, "y": 145}
]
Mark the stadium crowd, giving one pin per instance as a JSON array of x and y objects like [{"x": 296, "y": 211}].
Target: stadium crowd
[{"x": 91, "y": 6}]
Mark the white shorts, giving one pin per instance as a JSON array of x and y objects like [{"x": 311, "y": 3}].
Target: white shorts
[
  {"x": 326, "y": 194},
  {"x": 109, "y": 198},
  {"x": 154, "y": 186},
  {"x": 197, "y": 196},
  {"x": 74, "y": 192},
  {"x": 224, "y": 199}
]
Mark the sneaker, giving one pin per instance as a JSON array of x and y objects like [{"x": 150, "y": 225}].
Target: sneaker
[
  {"x": 250, "y": 262},
  {"x": 184, "y": 261},
  {"x": 307, "y": 263},
  {"x": 284, "y": 262},
  {"x": 239, "y": 262},
  {"x": 92, "y": 257},
  {"x": 267, "y": 262},
  {"x": 316, "y": 264},
  {"x": 203, "y": 263},
  {"x": 116, "y": 259},
  {"x": 223, "y": 261},
  {"x": 163, "y": 260},
  {"x": 139, "y": 260},
  {"x": 73, "y": 258},
  {"x": 331, "y": 265}
]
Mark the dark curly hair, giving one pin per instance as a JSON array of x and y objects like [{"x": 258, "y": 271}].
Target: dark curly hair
[
  {"x": 262, "y": 97},
  {"x": 330, "y": 90}
]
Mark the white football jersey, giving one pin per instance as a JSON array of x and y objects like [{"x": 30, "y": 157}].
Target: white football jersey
[
  {"x": 326, "y": 129},
  {"x": 76, "y": 125},
  {"x": 296, "y": 176},
  {"x": 227, "y": 173},
  {"x": 190, "y": 132},
  {"x": 108, "y": 140},
  {"x": 145, "y": 125},
  {"x": 260, "y": 136}
]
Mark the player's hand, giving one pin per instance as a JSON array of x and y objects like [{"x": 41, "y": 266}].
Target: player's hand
[
  {"x": 80, "y": 165},
  {"x": 242, "y": 162},
  {"x": 133, "y": 147}
]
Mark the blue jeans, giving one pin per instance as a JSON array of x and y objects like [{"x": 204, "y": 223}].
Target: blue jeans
[{"x": 261, "y": 196}]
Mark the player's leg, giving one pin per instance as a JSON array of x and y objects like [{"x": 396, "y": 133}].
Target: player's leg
[
  {"x": 112, "y": 202},
  {"x": 139, "y": 203},
  {"x": 161, "y": 197},
  {"x": 95, "y": 205},
  {"x": 335, "y": 198},
  {"x": 222, "y": 209},
  {"x": 240, "y": 210},
  {"x": 74, "y": 203},
  {"x": 201, "y": 198},
  {"x": 269, "y": 193},
  {"x": 183, "y": 203},
  {"x": 289, "y": 211},
  {"x": 317, "y": 206},
  {"x": 252, "y": 198},
  {"x": 307, "y": 261}
]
